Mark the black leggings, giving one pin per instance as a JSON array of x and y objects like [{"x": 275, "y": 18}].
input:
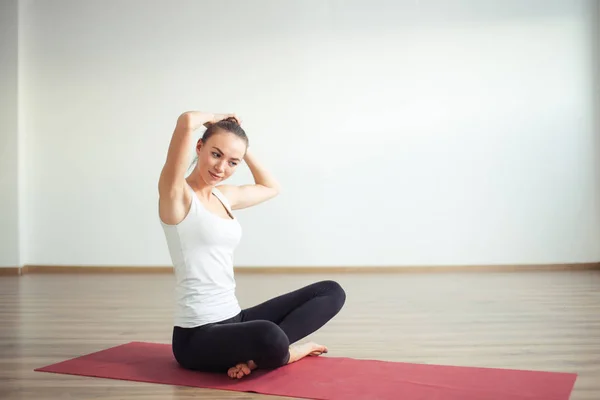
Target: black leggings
[{"x": 262, "y": 333}]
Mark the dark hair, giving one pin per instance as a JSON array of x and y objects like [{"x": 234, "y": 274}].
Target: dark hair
[{"x": 228, "y": 125}]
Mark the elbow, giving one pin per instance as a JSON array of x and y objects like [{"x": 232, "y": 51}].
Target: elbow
[
  {"x": 276, "y": 189},
  {"x": 184, "y": 120},
  {"x": 273, "y": 189}
]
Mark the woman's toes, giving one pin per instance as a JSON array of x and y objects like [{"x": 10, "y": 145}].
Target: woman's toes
[{"x": 244, "y": 368}]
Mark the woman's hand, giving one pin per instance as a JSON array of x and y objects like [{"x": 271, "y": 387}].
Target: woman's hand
[
  {"x": 192, "y": 120},
  {"x": 219, "y": 117}
]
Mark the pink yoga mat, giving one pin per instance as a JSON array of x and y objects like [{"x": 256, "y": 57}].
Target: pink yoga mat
[{"x": 326, "y": 377}]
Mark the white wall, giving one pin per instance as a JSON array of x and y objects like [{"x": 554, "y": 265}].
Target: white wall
[
  {"x": 9, "y": 220},
  {"x": 403, "y": 133}
]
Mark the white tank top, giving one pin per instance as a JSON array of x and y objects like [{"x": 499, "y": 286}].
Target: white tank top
[{"x": 201, "y": 248}]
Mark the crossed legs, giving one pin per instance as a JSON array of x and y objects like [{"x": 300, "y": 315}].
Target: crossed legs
[{"x": 261, "y": 336}]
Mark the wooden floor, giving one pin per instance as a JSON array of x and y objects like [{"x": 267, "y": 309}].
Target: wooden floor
[{"x": 525, "y": 320}]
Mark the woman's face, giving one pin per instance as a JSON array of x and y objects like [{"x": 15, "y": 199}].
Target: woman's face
[{"x": 219, "y": 157}]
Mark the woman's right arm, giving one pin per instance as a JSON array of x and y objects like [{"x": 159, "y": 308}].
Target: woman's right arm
[
  {"x": 171, "y": 183},
  {"x": 173, "y": 198}
]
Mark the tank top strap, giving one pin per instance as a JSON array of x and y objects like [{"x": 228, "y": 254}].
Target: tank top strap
[{"x": 223, "y": 199}]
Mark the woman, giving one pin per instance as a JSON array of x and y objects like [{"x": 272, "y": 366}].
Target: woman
[{"x": 211, "y": 332}]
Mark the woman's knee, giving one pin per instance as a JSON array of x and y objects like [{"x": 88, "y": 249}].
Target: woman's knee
[
  {"x": 336, "y": 292},
  {"x": 274, "y": 345}
]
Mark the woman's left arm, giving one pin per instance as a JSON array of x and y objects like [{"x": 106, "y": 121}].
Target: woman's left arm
[{"x": 265, "y": 186}]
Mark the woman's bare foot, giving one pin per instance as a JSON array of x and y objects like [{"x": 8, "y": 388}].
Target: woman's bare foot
[
  {"x": 241, "y": 370},
  {"x": 299, "y": 351}
]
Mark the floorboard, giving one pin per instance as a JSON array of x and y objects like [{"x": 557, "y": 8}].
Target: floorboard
[{"x": 525, "y": 320}]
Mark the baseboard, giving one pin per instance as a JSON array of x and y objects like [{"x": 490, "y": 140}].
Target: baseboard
[
  {"x": 10, "y": 271},
  {"x": 94, "y": 269},
  {"x": 54, "y": 269},
  {"x": 423, "y": 269}
]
